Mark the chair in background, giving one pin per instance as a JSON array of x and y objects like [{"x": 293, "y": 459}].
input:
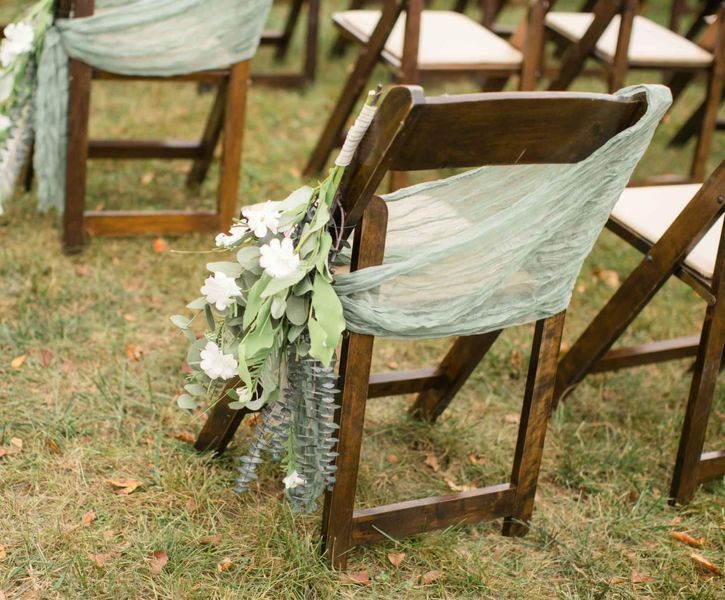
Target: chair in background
[
  {"x": 621, "y": 40},
  {"x": 679, "y": 229},
  {"x": 420, "y": 46},
  {"x": 280, "y": 40},
  {"x": 227, "y": 117},
  {"x": 411, "y": 133}
]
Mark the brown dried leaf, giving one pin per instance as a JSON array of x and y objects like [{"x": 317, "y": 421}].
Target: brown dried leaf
[
  {"x": 610, "y": 278},
  {"x": 637, "y": 577},
  {"x": 133, "y": 353},
  {"x": 706, "y": 564},
  {"x": 430, "y": 577},
  {"x": 46, "y": 357},
  {"x": 392, "y": 364},
  {"x": 432, "y": 461},
  {"x": 101, "y": 560},
  {"x": 82, "y": 271},
  {"x": 211, "y": 540},
  {"x": 356, "y": 578},
  {"x": 3, "y": 552},
  {"x": 185, "y": 436},
  {"x": 16, "y": 445},
  {"x": 191, "y": 505},
  {"x": 516, "y": 360},
  {"x": 157, "y": 561},
  {"x": 160, "y": 245},
  {"x": 512, "y": 418},
  {"x": 454, "y": 487},
  {"x": 476, "y": 459},
  {"x": 18, "y": 361},
  {"x": 685, "y": 538},
  {"x": 147, "y": 177},
  {"x": 52, "y": 447},
  {"x": 127, "y": 485},
  {"x": 88, "y": 518},
  {"x": 396, "y": 558},
  {"x": 224, "y": 565},
  {"x": 129, "y": 317},
  {"x": 392, "y": 459}
]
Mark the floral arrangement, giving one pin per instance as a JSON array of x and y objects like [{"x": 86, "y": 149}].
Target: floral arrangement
[
  {"x": 273, "y": 324},
  {"x": 19, "y": 52}
]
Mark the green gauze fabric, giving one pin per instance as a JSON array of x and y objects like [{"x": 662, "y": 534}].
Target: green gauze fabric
[
  {"x": 495, "y": 246},
  {"x": 134, "y": 37}
]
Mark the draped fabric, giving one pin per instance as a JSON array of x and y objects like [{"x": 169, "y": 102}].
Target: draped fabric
[
  {"x": 134, "y": 37},
  {"x": 495, "y": 246}
]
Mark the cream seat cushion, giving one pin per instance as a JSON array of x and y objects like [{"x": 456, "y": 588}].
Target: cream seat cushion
[
  {"x": 650, "y": 44},
  {"x": 649, "y": 211},
  {"x": 448, "y": 40}
]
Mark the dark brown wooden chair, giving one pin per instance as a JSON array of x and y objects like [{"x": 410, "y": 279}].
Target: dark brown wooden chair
[
  {"x": 227, "y": 116},
  {"x": 678, "y": 228},
  {"x": 622, "y": 40},
  {"x": 280, "y": 40},
  {"x": 421, "y": 46},
  {"x": 412, "y": 133}
]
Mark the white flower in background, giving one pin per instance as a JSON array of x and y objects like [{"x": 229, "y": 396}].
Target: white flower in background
[
  {"x": 262, "y": 218},
  {"x": 278, "y": 259},
  {"x": 18, "y": 40},
  {"x": 220, "y": 290},
  {"x": 216, "y": 364},
  {"x": 293, "y": 480},
  {"x": 235, "y": 234},
  {"x": 5, "y": 123}
]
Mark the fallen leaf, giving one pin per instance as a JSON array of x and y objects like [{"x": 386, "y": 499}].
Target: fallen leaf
[
  {"x": 147, "y": 177},
  {"x": 476, "y": 459},
  {"x": 392, "y": 364},
  {"x": 516, "y": 360},
  {"x": 430, "y": 577},
  {"x": 46, "y": 357},
  {"x": 512, "y": 418},
  {"x": 191, "y": 505},
  {"x": 396, "y": 558},
  {"x": 357, "y": 578},
  {"x": 157, "y": 561},
  {"x": 88, "y": 518},
  {"x": 185, "y": 436},
  {"x": 52, "y": 447},
  {"x": 16, "y": 445},
  {"x": 432, "y": 461},
  {"x": 100, "y": 560},
  {"x": 637, "y": 577},
  {"x": 160, "y": 245},
  {"x": 224, "y": 565},
  {"x": 454, "y": 487},
  {"x": 82, "y": 271},
  {"x": 392, "y": 459},
  {"x": 127, "y": 485},
  {"x": 211, "y": 540},
  {"x": 130, "y": 318},
  {"x": 295, "y": 172},
  {"x": 3, "y": 552},
  {"x": 617, "y": 580},
  {"x": 706, "y": 564},
  {"x": 683, "y": 537},
  {"x": 610, "y": 278},
  {"x": 133, "y": 353},
  {"x": 18, "y": 361}
]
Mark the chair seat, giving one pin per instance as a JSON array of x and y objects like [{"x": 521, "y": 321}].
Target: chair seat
[
  {"x": 649, "y": 211},
  {"x": 651, "y": 45},
  {"x": 448, "y": 40}
]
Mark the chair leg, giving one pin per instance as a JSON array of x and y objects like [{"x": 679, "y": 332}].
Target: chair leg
[
  {"x": 534, "y": 420},
  {"x": 289, "y": 29},
  {"x": 707, "y": 367},
  {"x": 458, "y": 364},
  {"x": 77, "y": 156},
  {"x": 709, "y": 118},
  {"x": 312, "y": 42},
  {"x": 209, "y": 139},
  {"x": 341, "y": 43},
  {"x": 231, "y": 161}
]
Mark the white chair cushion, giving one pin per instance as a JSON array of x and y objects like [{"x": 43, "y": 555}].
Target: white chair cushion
[
  {"x": 448, "y": 40},
  {"x": 649, "y": 211},
  {"x": 650, "y": 44}
]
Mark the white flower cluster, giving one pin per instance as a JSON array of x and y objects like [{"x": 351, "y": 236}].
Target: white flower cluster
[{"x": 19, "y": 38}]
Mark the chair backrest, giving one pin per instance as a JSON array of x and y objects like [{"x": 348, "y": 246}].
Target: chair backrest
[{"x": 412, "y": 133}]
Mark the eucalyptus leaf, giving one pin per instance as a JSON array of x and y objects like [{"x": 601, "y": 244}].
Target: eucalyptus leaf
[
  {"x": 277, "y": 284},
  {"x": 321, "y": 264},
  {"x": 232, "y": 269},
  {"x": 318, "y": 343},
  {"x": 189, "y": 334},
  {"x": 195, "y": 389},
  {"x": 328, "y": 312},
  {"x": 294, "y": 332},
  {"x": 193, "y": 355},
  {"x": 186, "y": 402},
  {"x": 255, "y": 300},
  {"x": 242, "y": 370},
  {"x": 180, "y": 321},
  {"x": 297, "y": 310},
  {"x": 248, "y": 258},
  {"x": 197, "y": 304},
  {"x": 260, "y": 338},
  {"x": 304, "y": 286},
  {"x": 279, "y": 305},
  {"x": 209, "y": 317}
]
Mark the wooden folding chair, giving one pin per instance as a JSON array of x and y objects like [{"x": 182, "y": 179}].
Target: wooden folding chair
[
  {"x": 413, "y": 133},
  {"x": 280, "y": 40},
  {"x": 679, "y": 230},
  {"x": 227, "y": 116},
  {"x": 425, "y": 45},
  {"x": 621, "y": 40}
]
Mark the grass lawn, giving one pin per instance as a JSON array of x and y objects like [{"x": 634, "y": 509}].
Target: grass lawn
[{"x": 94, "y": 401}]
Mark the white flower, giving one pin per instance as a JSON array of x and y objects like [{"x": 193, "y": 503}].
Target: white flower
[
  {"x": 279, "y": 259},
  {"x": 18, "y": 40},
  {"x": 293, "y": 480},
  {"x": 5, "y": 123},
  {"x": 262, "y": 217},
  {"x": 216, "y": 364},
  {"x": 220, "y": 290},
  {"x": 236, "y": 233}
]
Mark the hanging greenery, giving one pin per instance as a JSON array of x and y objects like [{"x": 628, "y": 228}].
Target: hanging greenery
[{"x": 273, "y": 324}]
